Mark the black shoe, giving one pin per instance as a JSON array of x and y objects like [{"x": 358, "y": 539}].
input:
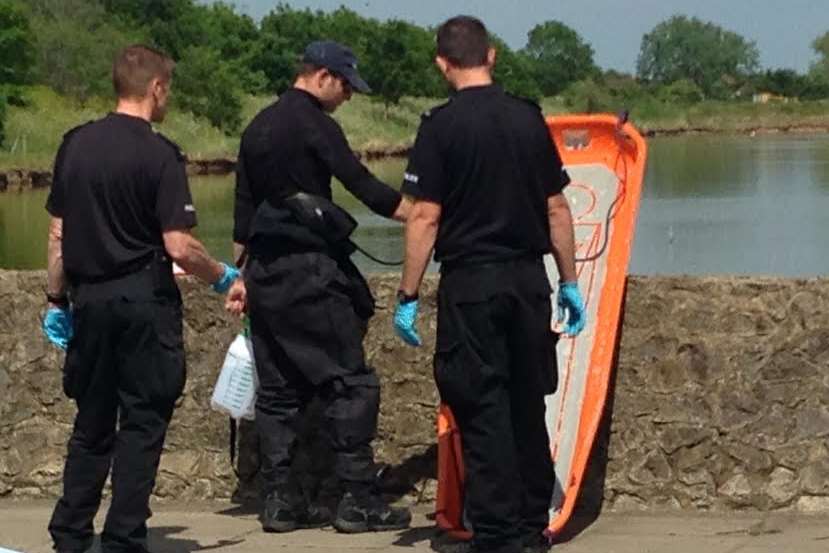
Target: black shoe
[
  {"x": 369, "y": 513},
  {"x": 537, "y": 544},
  {"x": 282, "y": 514}
]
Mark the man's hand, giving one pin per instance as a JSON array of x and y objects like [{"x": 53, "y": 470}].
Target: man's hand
[
  {"x": 237, "y": 298},
  {"x": 229, "y": 276},
  {"x": 405, "y": 317},
  {"x": 571, "y": 302},
  {"x": 57, "y": 326}
]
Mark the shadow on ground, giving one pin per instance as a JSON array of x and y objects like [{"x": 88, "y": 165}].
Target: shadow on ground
[{"x": 163, "y": 540}]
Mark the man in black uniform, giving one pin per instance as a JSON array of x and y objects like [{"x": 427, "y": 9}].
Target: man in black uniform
[
  {"x": 308, "y": 304},
  {"x": 488, "y": 183},
  {"x": 121, "y": 211}
]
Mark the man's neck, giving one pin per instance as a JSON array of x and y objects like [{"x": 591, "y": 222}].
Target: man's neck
[
  {"x": 303, "y": 85},
  {"x": 141, "y": 109},
  {"x": 469, "y": 78}
]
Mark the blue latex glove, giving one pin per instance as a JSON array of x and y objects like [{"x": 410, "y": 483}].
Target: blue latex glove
[
  {"x": 570, "y": 301},
  {"x": 405, "y": 316},
  {"x": 223, "y": 284},
  {"x": 57, "y": 326}
]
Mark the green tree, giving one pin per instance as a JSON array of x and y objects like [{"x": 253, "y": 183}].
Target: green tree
[
  {"x": 197, "y": 36},
  {"x": 235, "y": 35},
  {"x": 76, "y": 44},
  {"x": 681, "y": 92},
  {"x": 821, "y": 47},
  {"x": 355, "y": 31},
  {"x": 514, "y": 70},
  {"x": 2, "y": 119},
  {"x": 784, "y": 82},
  {"x": 283, "y": 35},
  {"x": 206, "y": 85},
  {"x": 624, "y": 90},
  {"x": 588, "y": 96},
  {"x": 16, "y": 56},
  {"x": 390, "y": 65},
  {"x": 396, "y": 57},
  {"x": 687, "y": 48},
  {"x": 560, "y": 56},
  {"x": 817, "y": 81},
  {"x": 16, "y": 45},
  {"x": 171, "y": 25}
]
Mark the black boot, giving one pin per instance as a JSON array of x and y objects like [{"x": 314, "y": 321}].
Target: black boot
[
  {"x": 538, "y": 543},
  {"x": 285, "y": 513},
  {"x": 367, "y": 512}
]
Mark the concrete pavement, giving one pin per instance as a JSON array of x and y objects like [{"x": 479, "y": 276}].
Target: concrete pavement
[{"x": 225, "y": 528}]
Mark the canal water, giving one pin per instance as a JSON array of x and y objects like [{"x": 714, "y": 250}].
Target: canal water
[{"x": 711, "y": 205}]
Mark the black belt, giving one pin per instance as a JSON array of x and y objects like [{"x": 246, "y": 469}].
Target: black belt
[
  {"x": 153, "y": 280},
  {"x": 484, "y": 264}
]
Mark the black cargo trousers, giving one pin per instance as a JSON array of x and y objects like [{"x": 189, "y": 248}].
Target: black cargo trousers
[
  {"x": 308, "y": 316},
  {"x": 494, "y": 363},
  {"x": 125, "y": 369}
]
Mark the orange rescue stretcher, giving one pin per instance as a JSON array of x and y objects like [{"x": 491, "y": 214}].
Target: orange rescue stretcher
[{"x": 605, "y": 157}]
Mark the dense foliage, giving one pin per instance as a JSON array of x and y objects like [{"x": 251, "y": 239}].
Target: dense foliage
[
  {"x": 704, "y": 53},
  {"x": 223, "y": 55}
]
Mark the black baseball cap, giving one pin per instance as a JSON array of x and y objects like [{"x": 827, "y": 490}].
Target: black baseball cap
[{"x": 338, "y": 59}]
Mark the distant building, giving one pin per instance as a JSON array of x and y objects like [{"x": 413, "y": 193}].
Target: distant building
[{"x": 768, "y": 97}]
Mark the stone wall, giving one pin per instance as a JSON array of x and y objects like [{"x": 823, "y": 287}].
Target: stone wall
[{"x": 721, "y": 399}]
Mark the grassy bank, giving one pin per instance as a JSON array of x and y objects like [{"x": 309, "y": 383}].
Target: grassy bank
[
  {"x": 34, "y": 132},
  {"x": 728, "y": 117}
]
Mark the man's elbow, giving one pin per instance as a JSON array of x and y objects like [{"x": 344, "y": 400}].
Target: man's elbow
[
  {"x": 558, "y": 202},
  {"x": 177, "y": 245},
  {"x": 558, "y": 208},
  {"x": 55, "y": 233},
  {"x": 425, "y": 215}
]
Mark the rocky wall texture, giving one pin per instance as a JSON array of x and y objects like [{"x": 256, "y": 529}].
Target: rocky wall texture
[{"x": 721, "y": 400}]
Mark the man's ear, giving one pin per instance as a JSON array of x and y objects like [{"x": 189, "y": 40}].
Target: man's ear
[
  {"x": 156, "y": 88},
  {"x": 491, "y": 54},
  {"x": 443, "y": 64}
]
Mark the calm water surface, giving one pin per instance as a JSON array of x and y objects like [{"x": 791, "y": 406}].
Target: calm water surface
[{"x": 711, "y": 205}]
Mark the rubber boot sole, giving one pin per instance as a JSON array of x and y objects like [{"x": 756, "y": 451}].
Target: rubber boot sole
[
  {"x": 346, "y": 527},
  {"x": 290, "y": 526}
]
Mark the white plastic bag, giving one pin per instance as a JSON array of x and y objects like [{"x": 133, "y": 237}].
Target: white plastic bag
[{"x": 235, "y": 391}]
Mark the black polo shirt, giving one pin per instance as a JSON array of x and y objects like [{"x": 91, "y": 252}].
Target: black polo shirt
[
  {"x": 293, "y": 145},
  {"x": 488, "y": 159},
  {"x": 117, "y": 186}
]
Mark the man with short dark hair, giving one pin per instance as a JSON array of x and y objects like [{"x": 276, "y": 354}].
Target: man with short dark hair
[
  {"x": 121, "y": 212},
  {"x": 487, "y": 181},
  {"x": 307, "y": 302}
]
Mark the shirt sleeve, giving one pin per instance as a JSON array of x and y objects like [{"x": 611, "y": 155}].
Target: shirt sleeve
[
  {"x": 174, "y": 204},
  {"x": 424, "y": 177},
  {"x": 552, "y": 172},
  {"x": 332, "y": 147},
  {"x": 244, "y": 206},
  {"x": 57, "y": 193}
]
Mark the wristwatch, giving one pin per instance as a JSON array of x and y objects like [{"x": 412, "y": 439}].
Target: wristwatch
[
  {"x": 57, "y": 299},
  {"x": 403, "y": 297}
]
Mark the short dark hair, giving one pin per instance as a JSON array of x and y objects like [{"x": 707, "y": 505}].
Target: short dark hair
[
  {"x": 464, "y": 41},
  {"x": 305, "y": 69},
  {"x": 136, "y": 66}
]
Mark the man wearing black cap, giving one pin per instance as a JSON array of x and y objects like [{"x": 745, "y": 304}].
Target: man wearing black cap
[{"x": 307, "y": 302}]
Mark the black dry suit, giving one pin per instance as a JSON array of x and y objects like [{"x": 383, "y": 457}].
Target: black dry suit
[
  {"x": 309, "y": 308},
  {"x": 308, "y": 304}
]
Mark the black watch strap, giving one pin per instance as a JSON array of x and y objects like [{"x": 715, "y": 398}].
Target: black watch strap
[
  {"x": 57, "y": 299},
  {"x": 402, "y": 297}
]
